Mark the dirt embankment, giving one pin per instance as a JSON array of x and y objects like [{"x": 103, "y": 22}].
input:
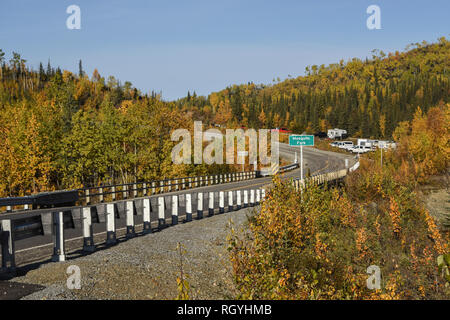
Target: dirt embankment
[
  {"x": 147, "y": 267},
  {"x": 436, "y": 195}
]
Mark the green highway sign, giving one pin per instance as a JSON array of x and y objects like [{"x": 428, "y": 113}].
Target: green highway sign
[{"x": 301, "y": 140}]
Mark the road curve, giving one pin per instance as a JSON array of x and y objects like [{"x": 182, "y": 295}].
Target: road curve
[{"x": 316, "y": 161}]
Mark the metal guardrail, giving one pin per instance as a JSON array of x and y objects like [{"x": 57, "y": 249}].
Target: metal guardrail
[
  {"x": 53, "y": 221},
  {"x": 100, "y": 194},
  {"x": 266, "y": 172},
  {"x": 157, "y": 213},
  {"x": 319, "y": 179},
  {"x": 142, "y": 189},
  {"x": 41, "y": 200}
]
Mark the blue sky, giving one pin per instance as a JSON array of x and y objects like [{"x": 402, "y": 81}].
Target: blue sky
[{"x": 176, "y": 46}]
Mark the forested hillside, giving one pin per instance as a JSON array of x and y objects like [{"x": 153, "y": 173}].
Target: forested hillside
[
  {"x": 61, "y": 130},
  {"x": 368, "y": 98}
]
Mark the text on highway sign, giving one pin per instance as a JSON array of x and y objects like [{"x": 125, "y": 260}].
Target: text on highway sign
[{"x": 301, "y": 140}]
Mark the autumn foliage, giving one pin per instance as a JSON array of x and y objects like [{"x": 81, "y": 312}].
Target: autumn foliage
[
  {"x": 62, "y": 130},
  {"x": 318, "y": 244}
]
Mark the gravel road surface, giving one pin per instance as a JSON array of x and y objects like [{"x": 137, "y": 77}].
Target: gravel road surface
[{"x": 146, "y": 267}]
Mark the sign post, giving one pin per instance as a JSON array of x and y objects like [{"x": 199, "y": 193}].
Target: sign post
[
  {"x": 301, "y": 162},
  {"x": 301, "y": 140}
]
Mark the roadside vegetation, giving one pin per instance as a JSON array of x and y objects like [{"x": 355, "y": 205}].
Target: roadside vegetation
[
  {"x": 63, "y": 130},
  {"x": 60, "y": 129},
  {"x": 318, "y": 244}
]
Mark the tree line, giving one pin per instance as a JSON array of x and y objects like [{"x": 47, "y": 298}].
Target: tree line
[
  {"x": 60, "y": 129},
  {"x": 367, "y": 98},
  {"x": 64, "y": 130}
]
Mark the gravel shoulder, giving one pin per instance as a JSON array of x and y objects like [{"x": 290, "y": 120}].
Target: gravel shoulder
[{"x": 146, "y": 267}]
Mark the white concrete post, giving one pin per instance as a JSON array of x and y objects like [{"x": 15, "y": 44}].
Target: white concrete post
[
  {"x": 169, "y": 185},
  {"x": 177, "y": 187},
  {"x": 183, "y": 183},
  {"x": 146, "y": 216},
  {"x": 130, "y": 219},
  {"x": 135, "y": 192},
  {"x": 153, "y": 187},
  {"x": 211, "y": 204},
  {"x": 238, "y": 199},
  {"x": 188, "y": 207},
  {"x": 88, "y": 200},
  {"x": 88, "y": 237},
  {"x": 161, "y": 216},
  {"x": 245, "y": 198},
  {"x": 58, "y": 237},
  {"x": 174, "y": 210},
  {"x": 190, "y": 183},
  {"x": 144, "y": 189},
  {"x": 100, "y": 196},
  {"x": 113, "y": 193},
  {"x": 110, "y": 224},
  {"x": 200, "y": 205},
  {"x": 230, "y": 201},
  {"x": 7, "y": 243},
  {"x": 252, "y": 197},
  {"x": 221, "y": 202},
  {"x": 263, "y": 194},
  {"x": 161, "y": 186},
  {"x": 125, "y": 192},
  {"x": 258, "y": 196}
]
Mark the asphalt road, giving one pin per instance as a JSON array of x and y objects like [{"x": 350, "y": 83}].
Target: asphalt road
[{"x": 316, "y": 161}]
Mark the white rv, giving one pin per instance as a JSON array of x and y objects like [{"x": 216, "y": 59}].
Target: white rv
[{"x": 336, "y": 133}]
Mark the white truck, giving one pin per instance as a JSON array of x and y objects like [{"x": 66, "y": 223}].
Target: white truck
[
  {"x": 361, "y": 149},
  {"x": 346, "y": 145}
]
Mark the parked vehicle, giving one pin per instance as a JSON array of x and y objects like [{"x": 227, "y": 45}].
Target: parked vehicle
[
  {"x": 337, "y": 133},
  {"x": 361, "y": 149},
  {"x": 345, "y": 144},
  {"x": 282, "y": 130},
  {"x": 320, "y": 135},
  {"x": 348, "y": 147},
  {"x": 365, "y": 142}
]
